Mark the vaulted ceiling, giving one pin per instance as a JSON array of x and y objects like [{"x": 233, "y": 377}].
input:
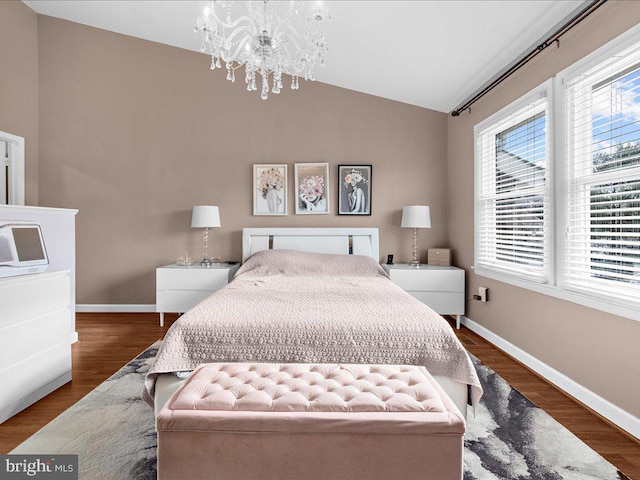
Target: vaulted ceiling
[{"x": 432, "y": 54}]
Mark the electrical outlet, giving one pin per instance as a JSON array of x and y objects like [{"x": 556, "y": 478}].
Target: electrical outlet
[{"x": 483, "y": 293}]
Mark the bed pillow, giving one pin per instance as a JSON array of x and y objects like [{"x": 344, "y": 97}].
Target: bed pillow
[{"x": 293, "y": 262}]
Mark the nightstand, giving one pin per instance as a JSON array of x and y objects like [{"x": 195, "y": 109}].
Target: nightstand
[
  {"x": 179, "y": 288},
  {"x": 441, "y": 288}
]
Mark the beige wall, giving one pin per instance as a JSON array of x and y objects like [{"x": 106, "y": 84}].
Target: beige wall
[
  {"x": 584, "y": 344},
  {"x": 135, "y": 133},
  {"x": 19, "y": 84}
]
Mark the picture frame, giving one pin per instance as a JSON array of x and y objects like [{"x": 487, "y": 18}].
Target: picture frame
[
  {"x": 354, "y": 189},
  {"x": 270, "y": 183},
  {"x": 312, "y": 188}
]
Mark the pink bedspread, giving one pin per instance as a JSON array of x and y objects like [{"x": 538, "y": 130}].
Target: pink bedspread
[{"x": 294, "y": 307}]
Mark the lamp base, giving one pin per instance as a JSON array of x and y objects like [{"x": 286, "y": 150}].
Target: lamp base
[{"x": 414, "y": 264}]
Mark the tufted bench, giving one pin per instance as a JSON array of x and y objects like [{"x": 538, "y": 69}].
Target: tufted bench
[{"x": 302, "y": 421}]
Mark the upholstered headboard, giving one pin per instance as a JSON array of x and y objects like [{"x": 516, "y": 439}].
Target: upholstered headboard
[{"x": 356, "y": 241}]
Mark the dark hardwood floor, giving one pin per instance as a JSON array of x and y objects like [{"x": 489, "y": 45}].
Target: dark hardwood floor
[
  {"x": 619, "y": 448},
  {"x": 108, "y": 341}
]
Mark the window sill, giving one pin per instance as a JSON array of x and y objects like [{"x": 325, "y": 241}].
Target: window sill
[{"x": 613, "y": 307}]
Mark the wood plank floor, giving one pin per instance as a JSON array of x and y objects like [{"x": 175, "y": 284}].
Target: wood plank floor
[{"x": 108, "y": 341}]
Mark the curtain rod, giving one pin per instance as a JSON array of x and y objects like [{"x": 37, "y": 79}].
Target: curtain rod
[{"x": 553, "y": 38}]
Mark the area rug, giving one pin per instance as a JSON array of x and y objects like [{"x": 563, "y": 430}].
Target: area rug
[{"x": 112, "y": 431}]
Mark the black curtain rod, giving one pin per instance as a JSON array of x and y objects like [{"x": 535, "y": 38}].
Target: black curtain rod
[{"x": 554, "y": 38}]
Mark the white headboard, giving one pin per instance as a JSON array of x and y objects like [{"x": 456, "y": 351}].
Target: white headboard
[{"x": 357, "y": 241}]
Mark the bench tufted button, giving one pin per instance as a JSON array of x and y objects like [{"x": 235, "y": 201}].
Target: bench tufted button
[{"x": 324, "y": 388}]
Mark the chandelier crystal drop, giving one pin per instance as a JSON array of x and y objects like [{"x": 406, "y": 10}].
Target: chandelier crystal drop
[{"x": 275, "y": 37}]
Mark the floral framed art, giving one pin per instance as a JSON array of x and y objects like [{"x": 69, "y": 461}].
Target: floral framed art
[
  {"x": 269, "y": 189},
  {"x": 312, "y": 188},
  {"x": 354, "y": 194}
]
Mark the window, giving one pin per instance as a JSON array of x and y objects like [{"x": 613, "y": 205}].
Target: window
[
  {"x": 602, "y": 208},
  {"x": 4, "y": 172},
  {"x": 567, "y": 224},
  {"x": 512, "y": 201},
  {"x": 11, "y": 169}
]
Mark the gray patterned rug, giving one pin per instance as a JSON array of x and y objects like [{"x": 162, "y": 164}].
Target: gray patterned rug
[{"x": 510, "y": 438}]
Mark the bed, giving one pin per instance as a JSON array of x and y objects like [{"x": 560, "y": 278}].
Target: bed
[{"x": 312, "y": 295}]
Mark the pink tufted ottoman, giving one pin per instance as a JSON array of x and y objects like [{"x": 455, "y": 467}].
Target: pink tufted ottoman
[{"x": 300, "y": 421}]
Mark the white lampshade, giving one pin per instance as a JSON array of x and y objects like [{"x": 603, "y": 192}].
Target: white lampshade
[
  {"x": 205, "y": 216},
  {"x": 416, "y": 216}
]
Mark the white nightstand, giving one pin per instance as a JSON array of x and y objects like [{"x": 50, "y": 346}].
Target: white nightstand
[
  {"x": 441, "y": 288},
  {"x": 180, "y": 288}
]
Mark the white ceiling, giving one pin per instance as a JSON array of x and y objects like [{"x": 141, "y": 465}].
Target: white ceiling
[{"x": 432, "y": 54}]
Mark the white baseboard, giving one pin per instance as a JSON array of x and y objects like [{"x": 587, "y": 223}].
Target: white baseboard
[
  {"x": 608, "y": 410},
  {"x": 103, "y": 308}
]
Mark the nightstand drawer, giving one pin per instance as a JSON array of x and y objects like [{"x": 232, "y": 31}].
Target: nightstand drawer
[
  {"x": 429, "y": 280},
  {"x": 179, "y": 301},
  {"x": 180, "y": 288},
  {"x": 192, "y": 279},
  {"x": 444, "y": 303}
]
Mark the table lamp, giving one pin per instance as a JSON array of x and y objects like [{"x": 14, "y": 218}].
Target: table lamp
[
  {"x": 205, "y": 216},
  {"x": 416, "y": 216}
]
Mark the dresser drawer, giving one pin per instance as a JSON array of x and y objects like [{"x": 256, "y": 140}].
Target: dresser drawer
[
  {"x": 192, "y": 279},
  {"x": 25, "y": 377},
  {"x": 20, "y": 341},
  {"x": 444, "y": 303},
  {"x": 31, "y": 296},
  {"x": 429, "y": 280}
]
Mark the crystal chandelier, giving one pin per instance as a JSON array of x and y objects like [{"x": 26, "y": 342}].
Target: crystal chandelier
[{"x": 275, "y": 37}]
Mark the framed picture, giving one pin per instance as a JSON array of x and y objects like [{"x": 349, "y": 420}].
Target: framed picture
[
  {"x": 312, "y": 188},
  {"x": 269, "y": 189},
  {"x": 354, "y": 194}
]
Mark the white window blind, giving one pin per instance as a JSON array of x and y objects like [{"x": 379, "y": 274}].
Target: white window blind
[
  {"x": 601, "y": 255},
  {"x": 512, "y": 194}
]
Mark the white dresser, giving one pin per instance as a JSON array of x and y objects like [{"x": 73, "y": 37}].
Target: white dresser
[
  {"x": 441, "y": 288},
  {"x": 59, "y": 232},
  {"x": 180, "y": 288},
  {"x": 35, "y": 338}
]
